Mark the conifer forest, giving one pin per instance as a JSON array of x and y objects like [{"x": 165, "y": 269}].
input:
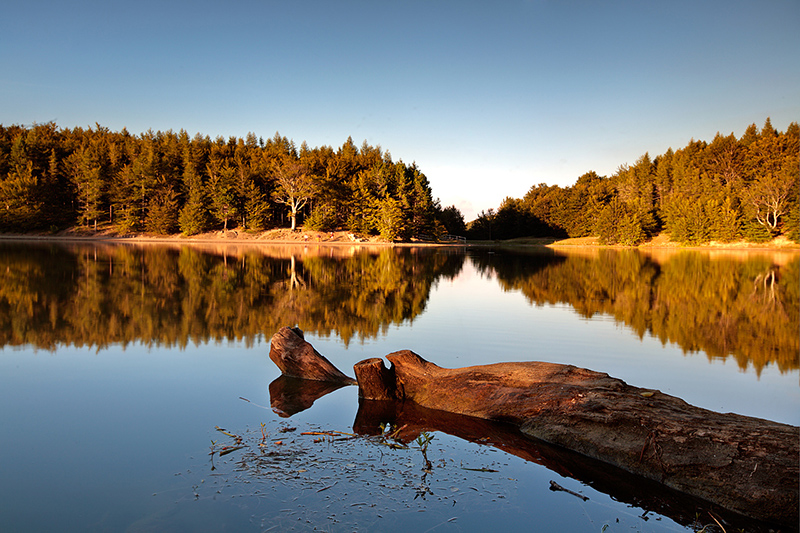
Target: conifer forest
[{"x": 165, "y": 183}]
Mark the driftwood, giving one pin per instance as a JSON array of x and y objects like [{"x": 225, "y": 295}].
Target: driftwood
[
  {"x": 409, "y": 420},
  {"x": 743, "y": 464},
  {"x": 298, "y": 359}
]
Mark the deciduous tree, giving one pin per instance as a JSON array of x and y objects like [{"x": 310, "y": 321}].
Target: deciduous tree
[{"x": 295, "y": 187}]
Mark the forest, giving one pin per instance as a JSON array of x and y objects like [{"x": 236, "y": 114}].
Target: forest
[
  {"x": 164, "y": 183},
  {"x": 727, "y": 190}
]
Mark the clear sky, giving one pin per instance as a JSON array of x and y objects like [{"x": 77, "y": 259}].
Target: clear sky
[{"x": 488, "y": 98}]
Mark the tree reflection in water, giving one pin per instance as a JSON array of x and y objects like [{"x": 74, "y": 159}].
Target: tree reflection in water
[{"x": 744, "y": 306}]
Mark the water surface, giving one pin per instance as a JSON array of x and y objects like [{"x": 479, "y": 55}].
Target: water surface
[{"x": 117, "y": 362}]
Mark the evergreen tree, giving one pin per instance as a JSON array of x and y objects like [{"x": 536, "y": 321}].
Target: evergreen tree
[
  {"x": 161, "y": 181},
  {"x": 193, "y": 217},
  {"x": 87, "y": 170},
  {"x": 18, "y": 208},
  {"x": 163, "y": 210},
  {"x": 220, "y": 190},
  {"x": 580, "y": 205},
  {"x": 772, "y": 172},
  {"x": 19, "y": 195},
  {"x": 452, "y": 219}
]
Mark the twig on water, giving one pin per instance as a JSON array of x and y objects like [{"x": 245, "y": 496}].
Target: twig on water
[
  {"x": 555, "y": 486},
  {"x": 261, "y": 406},
  {"x": 328, "y": 486}
]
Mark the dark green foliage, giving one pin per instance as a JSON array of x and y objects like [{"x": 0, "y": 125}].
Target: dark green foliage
[
  {"x": 162, "y": 211},
  {"x": 163, "y": 182},
  {"x": 451, "y": 218},
  {"x": 30, "y": 177},
  {"x": 512, "y": 221},
  {"x": 193, "y": 218},
  {"x": 722, "y": 191},
  {"x": 544, "y": 202},
  {"x": 792, "y": 222},
  {"x": 618, "y": 224},
  {"x": 582, "y": 204},
  {"x": 481, "y": 227},
  {"x": 755, "y": 232},
  {"x": 322, "y": 218},
  {"x": 18, "y": 191}
]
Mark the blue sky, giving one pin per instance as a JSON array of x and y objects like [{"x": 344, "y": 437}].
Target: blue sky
[{"x": 488, "y": 98}]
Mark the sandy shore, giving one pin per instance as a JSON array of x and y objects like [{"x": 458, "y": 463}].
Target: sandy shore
[
  {"x": 287, "y": 236},
  {"x": 277, "y": 236}
]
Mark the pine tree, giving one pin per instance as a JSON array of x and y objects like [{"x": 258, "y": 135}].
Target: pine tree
[
  {"x": 19, "y": 204},
  {"x": 220, "y": 189},
  {"x": 772, "y": 172}
]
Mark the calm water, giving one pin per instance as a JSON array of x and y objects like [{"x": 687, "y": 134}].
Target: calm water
[{"x": 118, "y": 362}]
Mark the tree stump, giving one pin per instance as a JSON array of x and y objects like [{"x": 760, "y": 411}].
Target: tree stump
[{"x": 375, "y": 381}]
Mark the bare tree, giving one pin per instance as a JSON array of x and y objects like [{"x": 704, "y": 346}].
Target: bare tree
[
  {"x": 295, "y": 187},
  {"x": 769, "y": 198}
]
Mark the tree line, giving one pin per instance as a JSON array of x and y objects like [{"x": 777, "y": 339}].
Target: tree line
[
  {"x": 726, "y": 190},
  {"x": 164, "y": 182}
]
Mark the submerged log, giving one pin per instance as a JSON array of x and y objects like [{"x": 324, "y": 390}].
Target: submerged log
[
  {"x": 409, "y": 420},
  {"x": 743, "y": 464},
  {"x": 298, "y": 359}
]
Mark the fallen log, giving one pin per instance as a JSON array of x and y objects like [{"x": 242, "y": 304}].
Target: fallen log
[
  {"x": 743, "y": 464},
  {"x": 298, "y": 359},
  {"x": 410, "y": 420}
]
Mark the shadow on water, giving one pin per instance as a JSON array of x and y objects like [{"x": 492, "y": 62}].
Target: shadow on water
[{"x": 289, "y": 396}]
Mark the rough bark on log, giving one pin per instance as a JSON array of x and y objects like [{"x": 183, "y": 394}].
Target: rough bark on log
[
  {"x": 298, "y": 359},
  {"x": 410, "y": 419},
  {"x": 747, "y": 465}
]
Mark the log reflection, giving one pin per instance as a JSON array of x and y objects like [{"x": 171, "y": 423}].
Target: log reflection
[
  {"x": 289, "y": 396},
  {"x": 292, "y": 395}
]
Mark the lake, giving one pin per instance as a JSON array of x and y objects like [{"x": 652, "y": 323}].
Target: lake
[{"x": 124, "y": 366}]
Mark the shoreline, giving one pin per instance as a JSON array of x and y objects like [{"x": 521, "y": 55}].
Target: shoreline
[{"x": 342, "y": 238}]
